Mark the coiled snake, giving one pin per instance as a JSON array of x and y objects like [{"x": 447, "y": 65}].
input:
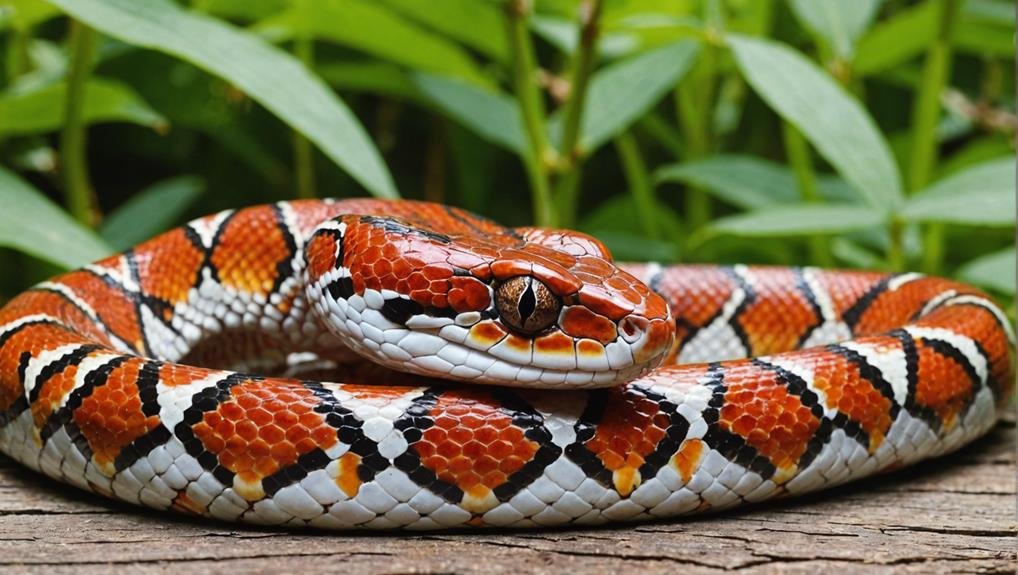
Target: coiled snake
[{"x": 134, "y": 377}]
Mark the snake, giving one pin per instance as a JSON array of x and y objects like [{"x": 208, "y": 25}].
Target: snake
[{"x": 374, "y": 364}]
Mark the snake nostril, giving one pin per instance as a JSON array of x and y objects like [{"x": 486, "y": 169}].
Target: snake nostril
[{"x": 633, "y": 328}]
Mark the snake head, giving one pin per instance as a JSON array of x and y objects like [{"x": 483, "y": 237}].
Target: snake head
[{"x": 442, "y": 292}]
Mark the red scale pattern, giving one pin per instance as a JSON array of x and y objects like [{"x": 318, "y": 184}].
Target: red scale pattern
[
  {"x": 779, "y": 315},
  {"x": 168, "y": 266},
  {"x": 473, "y": 444},
  {"x": 980, "y": 325},
  {"x": 846, "y": 390},
  {"x": 759, "y": 408},
  {"x": 115, "y": 308},
  {"x": 110, "y": 418},
  {"x": 32, "y": 339},
  {"x": 629, "y": 431},
  {"x": 697, "y": 294},
  {"x": 251, "y": 247},
  {"x": 263, "y": 427},
  {"x": 942, "y": 384}
]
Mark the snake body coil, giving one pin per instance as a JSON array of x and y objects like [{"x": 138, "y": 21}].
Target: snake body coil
[{"x": 133, "y": 377}]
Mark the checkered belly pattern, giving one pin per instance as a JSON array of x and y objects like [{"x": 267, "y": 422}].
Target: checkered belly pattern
[{"x": 781, "y": 381}]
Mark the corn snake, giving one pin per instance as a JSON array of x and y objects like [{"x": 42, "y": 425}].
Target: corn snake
[{"x": 845, "y": 374}]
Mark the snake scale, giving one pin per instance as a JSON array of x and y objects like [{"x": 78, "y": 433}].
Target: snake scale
[{"x": 194, "y": 373}]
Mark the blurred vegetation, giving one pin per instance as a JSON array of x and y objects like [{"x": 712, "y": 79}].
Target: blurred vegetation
[{"x": 858, "y": 133}]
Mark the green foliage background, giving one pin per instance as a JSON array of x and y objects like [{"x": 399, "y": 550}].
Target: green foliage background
[{"x": 852, "y": 133}]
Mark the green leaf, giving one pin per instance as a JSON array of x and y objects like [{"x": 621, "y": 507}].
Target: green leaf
[
  {"x": 618, "y": 223},
  {"x": 983, "y": 40},
  {"x": 370, "y": 76},
  {"x": 492, "y": 116},
  {"x": 995, "y": 271},
  {"x": 905, "y": 35},
  {"x": 373, "y": 29},
  {"x": 151, "y": 211},
  {"x": 244, "y": 10},
  {"x": 799, "y": 220},
  {"x": 831, "y": 119},
  {"x": 747, "y": 182},
  {"x": 480, "y": 25},
  {"x": 838, "y": 24},
  {"x": 268, "y": 75},
  {"x": 983, "y": 194},
  {"x": 31, "y": 223},
  {"x": 999, "y": 12},
  {"x": 41, "y": 110},
  {"x": 23, "y": 14},
  {"x": 619, "y": 94}
]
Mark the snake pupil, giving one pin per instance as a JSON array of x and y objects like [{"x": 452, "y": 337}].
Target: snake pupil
[{"x": 528, "y": 303}]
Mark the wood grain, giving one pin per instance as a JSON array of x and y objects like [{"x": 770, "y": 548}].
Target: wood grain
[{"x": 955, "y": 514}]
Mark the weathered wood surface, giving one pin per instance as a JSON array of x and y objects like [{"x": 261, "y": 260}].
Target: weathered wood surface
[{"x": 956, "y": 514}]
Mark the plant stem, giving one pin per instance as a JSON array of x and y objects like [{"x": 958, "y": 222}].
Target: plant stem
[
  {"x": 694, "y": 99},
  {"x": 798, "y": 156},
  {"x": 567, "y": 187},
  {"x": 78, "y": 193},
  {"x": 895, "y": 252},
  {"x": 540, "y": 156},
  {"x": 639, "y": 185},
  {"x": 303, "y": 48},
  {"x": 936, "y": 71}
]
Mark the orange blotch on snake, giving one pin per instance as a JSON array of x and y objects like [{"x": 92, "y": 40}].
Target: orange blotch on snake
[
  {"x": 168, "y": 267},
  {"x": 263, "y": 427},
  {"x": 759, "y": 408},
  {"x": 474, "y": 445},
  {"x": 250, "y": 250},
  {"x": 687, "y": 459},
  {"x": 115, "y": 308},
  {"x": 980, "y": 325},
  {"x": 554, "y": 343},
  {"x": 111, "y": 417},
  {"x": 31, "y": 339},
  {"x": 321, "y": 255},
  {"x": 629, "y": 431},
  {"x": 346, "y": 474},
  {"x": 578, "y": 321},
  {"x": 847, "y": 391},
  {"x": 943, "y": 385},
  {"x": 487, "y": 333}
]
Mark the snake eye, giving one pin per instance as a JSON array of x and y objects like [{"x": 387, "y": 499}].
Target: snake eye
[{"x": 526, "y": 305}]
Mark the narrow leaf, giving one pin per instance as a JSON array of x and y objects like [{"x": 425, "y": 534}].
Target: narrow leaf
[
  {"x": 480, "y": 25},
  {"x": 31, "y": 223},
  {"x": 995, "y": 271},
  {"x": 151, "y": 211},
  {"x": 619, "y": 94},
  {"x": 983, "y": 194},
  {"x": 41, "y": 109},
  {"x": 374, "y": 29},
  {"x": 799, "y": 220},
  {"x": 492, "y": 116},
  {"x": 268, "y": 75},
  {"x": 831, "y": 118},
  {"x": 23, "y": 14},
  {"x": 905, "y": 35},
  {"x": 838, "y": 24},
  {"x": 748, "y": 182}
]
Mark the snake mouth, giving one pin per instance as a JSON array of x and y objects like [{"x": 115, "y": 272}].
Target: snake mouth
[{"x": 472, "y": 347}]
